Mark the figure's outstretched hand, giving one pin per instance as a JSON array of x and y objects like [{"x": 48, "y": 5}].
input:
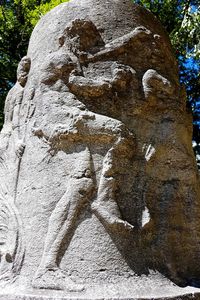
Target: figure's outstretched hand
[
  {"x": 73, "y": 128},
  {"x": 61, "y": 131}
]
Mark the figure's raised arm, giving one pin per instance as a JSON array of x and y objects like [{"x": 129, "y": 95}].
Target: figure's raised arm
[
  {"x": 83, "y": 128},
  {"x": 119, "y": 45},
  {"x": 88, "y": 88}
]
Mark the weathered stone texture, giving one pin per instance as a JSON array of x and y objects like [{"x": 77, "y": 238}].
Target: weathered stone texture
[{"x": 98, "y": 179}]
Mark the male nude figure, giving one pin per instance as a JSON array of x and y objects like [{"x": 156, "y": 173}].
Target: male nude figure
[{"x": 84, "y": 127}]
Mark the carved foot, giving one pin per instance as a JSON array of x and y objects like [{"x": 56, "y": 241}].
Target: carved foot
[
  {"x": 114, "y": 223},
  {"x": 55, "y": 279}
]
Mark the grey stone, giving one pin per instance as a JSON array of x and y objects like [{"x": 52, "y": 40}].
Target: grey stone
[{"x": 99, "y": 189}]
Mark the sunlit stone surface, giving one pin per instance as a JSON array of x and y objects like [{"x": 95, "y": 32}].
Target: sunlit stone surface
[{"x": 99, "y": 190}]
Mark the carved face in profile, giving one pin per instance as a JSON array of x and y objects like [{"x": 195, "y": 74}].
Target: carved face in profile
[
  {"x": 83, "y": 36},
  {"x": 23, "y": 70}
]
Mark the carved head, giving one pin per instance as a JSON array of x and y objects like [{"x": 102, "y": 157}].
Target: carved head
[
  {"x": 82, "y": 35},
  {"x": 23, "y": 70}
]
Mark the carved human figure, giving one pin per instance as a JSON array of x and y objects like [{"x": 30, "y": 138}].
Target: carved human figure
[
  {"x": 13, "y": 104},
  {"x": 15, "y": 95},
  {"x": 11, "y": 243},
  {"x": 62, "y": 71},
  {"x": 82, "y": 189}
]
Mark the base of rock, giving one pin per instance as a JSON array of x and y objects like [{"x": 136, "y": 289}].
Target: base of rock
[
  {"x": 194, "y": 296},
  {"x": 144, "y": 287}
]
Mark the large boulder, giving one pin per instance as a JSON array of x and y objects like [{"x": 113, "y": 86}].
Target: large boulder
[{"x": 99, "y": 188}]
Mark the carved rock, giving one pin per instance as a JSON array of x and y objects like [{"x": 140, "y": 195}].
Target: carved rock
[{"x": 99, "y": 189}]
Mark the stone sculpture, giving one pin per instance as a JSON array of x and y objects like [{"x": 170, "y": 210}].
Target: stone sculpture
[
  {"x": 12, "y": 248},
  {"x": 99, "y": 186}
]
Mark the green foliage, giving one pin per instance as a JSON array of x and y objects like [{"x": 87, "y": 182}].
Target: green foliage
[
  {"x": 17, "y": 20},
  {"x": 181, "y": 20},
  {"x": 34, "y": 10}
]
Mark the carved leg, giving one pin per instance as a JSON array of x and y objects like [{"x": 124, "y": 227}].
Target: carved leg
[
  {"x": 62, "y": 224},
  {"x": 105, "y": 207}
]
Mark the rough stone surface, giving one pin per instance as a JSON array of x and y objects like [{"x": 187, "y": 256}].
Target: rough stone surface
[{"x": 99, "y": 190}]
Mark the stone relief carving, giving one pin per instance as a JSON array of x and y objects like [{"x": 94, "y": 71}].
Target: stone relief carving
[
  {"x": 14, "y": 98},
  {"x": 85, "y": 127},
  {"x": 155, "y": 84},
  {"x": 70, "y": 69},
  {"x": 12, "y": 248},
  {"x": 11, "y": 237},
  {"x": 92, "y": 135}
]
